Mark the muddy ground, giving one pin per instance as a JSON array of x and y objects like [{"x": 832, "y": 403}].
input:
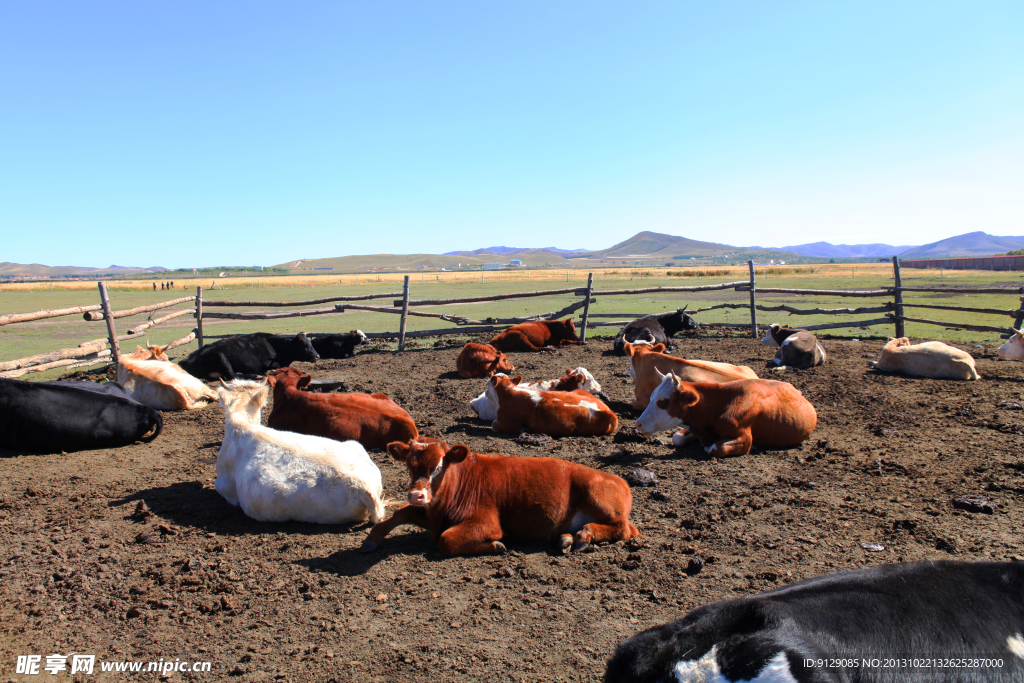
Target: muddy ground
[{"x": 300, "y": 602}]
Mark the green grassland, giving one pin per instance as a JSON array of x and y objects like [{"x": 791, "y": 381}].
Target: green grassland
[{"x": 25, "y": 339}]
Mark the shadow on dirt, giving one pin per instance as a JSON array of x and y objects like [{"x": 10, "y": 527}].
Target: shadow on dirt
[{"x": 189, "y": 504}]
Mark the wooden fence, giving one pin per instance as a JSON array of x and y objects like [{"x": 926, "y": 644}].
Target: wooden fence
[{"x": 893, "y": 313}]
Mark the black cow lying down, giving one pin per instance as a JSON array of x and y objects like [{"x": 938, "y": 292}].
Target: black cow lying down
[
  {"x": 856, "y": 626},
  {"x": 248, "y": 356},
  {"x": 655, "y": 329},
  {"x": 44, "y": 417},
  {"x": 797, "y": 348},
  {"x": 339, "y": 345},
  {"x": 110, "y": 388}
]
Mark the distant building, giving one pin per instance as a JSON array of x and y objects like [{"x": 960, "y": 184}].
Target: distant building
[
  {"x": 453, "y": 265},
  {"x": 493, "y": 266},
  {"x": 516, "y": 262}
]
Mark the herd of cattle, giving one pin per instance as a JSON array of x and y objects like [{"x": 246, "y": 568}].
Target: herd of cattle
[{"x": 310, "y": 464}]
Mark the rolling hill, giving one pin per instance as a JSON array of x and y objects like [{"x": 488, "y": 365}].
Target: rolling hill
[
  {"x": 971, "y": 244},
  {"x": 9, "y": 269}
]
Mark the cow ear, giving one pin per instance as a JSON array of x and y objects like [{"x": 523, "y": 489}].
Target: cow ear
[
  {"x": 659, "y": 348},
  {"x": 271, "y": 379},
  {"x": 398, "y": 450},
  {"x": 628, "y": 348},
  {"x": 456, "y": 453},
  {"x": 516, "y": 380},
  {"x": 303, "y": 382}
]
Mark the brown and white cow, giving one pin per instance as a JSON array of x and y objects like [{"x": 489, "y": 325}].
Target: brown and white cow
[
  {"x": 730, "y": 417},
  {"x": 558, "y": 413},
  {"x": 152, "y": 379},
  {"x": 648, "y": 364},
  {"x": 481, "y": 360},
  {"x": 543, "y": 335},
  {"x": 486, "y": 404},
  {"x": 798, "y": 349},
  {"x": 470, "y": 502},
  {"x": 929, "y": 359},
  {"x": 374, "y": 420}
]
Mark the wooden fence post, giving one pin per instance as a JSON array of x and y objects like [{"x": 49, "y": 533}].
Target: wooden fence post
[
  {"x": 109, "y": 317},
  {"x": 898, "y": 297},
  {"x": 1020, "y": 316},
  {"x": 586, "y": 308},
  {"x": 753, "y": 302},
  {"x": 405, "y": 314},
  {"x": 199, "y": 315}
]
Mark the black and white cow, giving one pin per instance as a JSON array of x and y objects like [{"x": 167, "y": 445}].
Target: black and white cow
[
  {"x": 655, "y": 329},
  {"x": 248, "y": 355},
  {"x": 41, "y": 417},
  {"x": 339, "y": 345},
  {"x": 855, "y": 626},
  {"x": 797, "y": 348}
]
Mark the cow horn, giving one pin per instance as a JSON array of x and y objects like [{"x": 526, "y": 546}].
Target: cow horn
[
  {"x": 222, "y": 382},
  {"x": 683, "y": 309},
  {"x": 661, "y": 375}
]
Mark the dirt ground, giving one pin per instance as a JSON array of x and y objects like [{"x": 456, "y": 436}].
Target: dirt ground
[{"x": 298, "y": 602}]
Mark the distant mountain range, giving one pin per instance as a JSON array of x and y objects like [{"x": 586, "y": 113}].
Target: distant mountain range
[
  {"x": 827, "y": 250},
  {"x": 646, "y": 249},
  {"x": 39, "y": 270}
]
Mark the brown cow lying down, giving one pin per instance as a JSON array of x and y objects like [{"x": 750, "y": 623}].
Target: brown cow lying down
[
  {"x": 374, "y": 420},
  {"x": 730, "y": 417},
  {"x": 152, "y": 379},
  {"x": 471, "y": 501},
  {"x": 558, "y": 413},
  {"x": 536, "y": 336},
  {"x": 648, "y": 364},
  {"x": 481, "y": 360},
  {"x": 928, "y": 359},
  {"x": 798, "y": 349}
]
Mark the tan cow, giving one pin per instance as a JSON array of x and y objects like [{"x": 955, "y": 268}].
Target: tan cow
[
  {"x": 152, "y": 379},
  {"x": 646, "y": 362},
  {"x": 928, "y": 359}
]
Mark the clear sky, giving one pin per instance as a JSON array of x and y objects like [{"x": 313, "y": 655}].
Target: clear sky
[{"x": 215, "y": 133}]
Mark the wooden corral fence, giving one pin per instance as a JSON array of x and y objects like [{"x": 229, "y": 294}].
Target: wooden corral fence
[{"x": 893, "y": 312}]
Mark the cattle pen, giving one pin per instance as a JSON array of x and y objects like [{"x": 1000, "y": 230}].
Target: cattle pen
[{"x": 892, "y": 312}]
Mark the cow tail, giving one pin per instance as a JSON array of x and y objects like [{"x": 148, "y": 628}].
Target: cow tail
[{"x": 159, "y": 428}]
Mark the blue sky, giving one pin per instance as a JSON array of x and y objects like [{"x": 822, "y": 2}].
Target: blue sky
[{"x": 189, "y": 134}]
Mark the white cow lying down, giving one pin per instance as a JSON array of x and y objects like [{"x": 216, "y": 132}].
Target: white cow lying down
[
  {"x": 486, "y": 404},
  {"x": 928, "y": 359},
  {"x": 279, "y": 476},
  {"x": 152, "y": 379}
]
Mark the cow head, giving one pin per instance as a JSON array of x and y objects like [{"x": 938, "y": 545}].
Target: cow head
[
  {"x": 1013, "y": 349},
  {"x": 501, "y": 363},
  {"x": 677, "y": 321},
  {"x": 243, "y": 400},
  {"x": 669, "y": 405},
  {"x": 769, "y": 337},
  {"x": 302, "y": 349},
  {"x": 636, "y": 352},
  {"x": 571, "y": 381},
  {"x": 428, "y": 460},
  {"x": 288, "y": 377},
  {"x": 589, "y": 383},
  {"x": 564, "y": 329},
  {"x": 359, "y": 336}
]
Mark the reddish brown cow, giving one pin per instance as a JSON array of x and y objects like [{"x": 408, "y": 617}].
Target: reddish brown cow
[
  {"x": 374, "y": 420},
  {"x": 481, "y": 360},
  {"x": 542, "y": 335},
  {"x": 558, "y": 413},
  {"x": 471, "y": 501},
  {"x": 730, "y": 417}
]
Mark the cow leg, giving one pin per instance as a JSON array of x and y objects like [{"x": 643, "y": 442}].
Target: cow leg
[
  {"x": 682, "y": 437},
  {"x": 604, "y": 533},
  {"x": 410, "y": 514},
  {"x": 225, "y": 369},
  {"x": 475, "y": 536},
  {"x": 738, "y": 446}
]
